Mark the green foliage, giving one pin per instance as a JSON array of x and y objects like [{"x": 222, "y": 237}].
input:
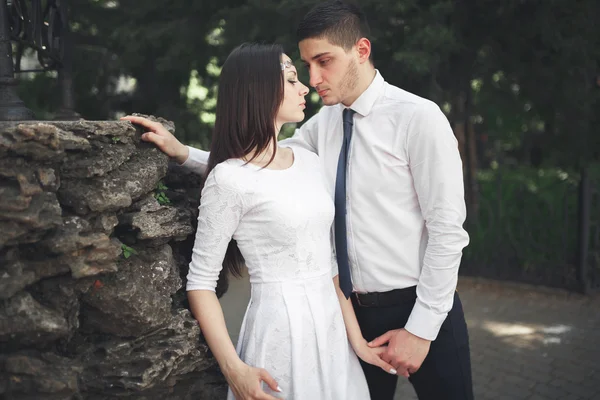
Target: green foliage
[
  {"x": 128, "y": 251},
  {"x": 527, "y": 225},
  {"x": 527, "y": 70},
  {"x": 160, "y": 195},
  {"x": 534, "y": 63}
]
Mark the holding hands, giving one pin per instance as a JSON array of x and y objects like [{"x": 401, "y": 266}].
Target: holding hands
[
  {"x": 405, "y": 351},
  {"x": 162, "y": 138},
  {"x": 372, "y": 355}
]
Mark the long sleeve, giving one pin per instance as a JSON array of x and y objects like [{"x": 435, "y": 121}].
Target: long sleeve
[
  {"x": 306, "y": 136},
  {"x": 220, "y": 211},
  {"x": 197, "y": 160},
  {"x": 436, "y": 169}
]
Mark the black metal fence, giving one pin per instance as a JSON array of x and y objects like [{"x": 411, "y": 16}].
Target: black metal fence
[{"x": 537, "y": 226}]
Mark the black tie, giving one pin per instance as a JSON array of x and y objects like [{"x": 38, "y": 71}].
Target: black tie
[{"x": 341, "y": 241}]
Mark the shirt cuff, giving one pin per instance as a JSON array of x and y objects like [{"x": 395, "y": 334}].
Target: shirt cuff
[
  {"x": 200, "y": 286},
  {"x": 197, "y": 160},
  {"x": 424, "y": 322}
]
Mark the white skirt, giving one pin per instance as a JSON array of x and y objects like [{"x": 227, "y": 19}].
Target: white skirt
[{"x": 295, "y": 331}]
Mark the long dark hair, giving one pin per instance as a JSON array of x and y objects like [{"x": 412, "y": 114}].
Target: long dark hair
[{"x": 248, "y": 100}]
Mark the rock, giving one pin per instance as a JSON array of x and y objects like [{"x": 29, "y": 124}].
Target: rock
[
  {"x": 98, "y": 256},
  {"x": 105, "y": 222},
  {"x": 80, "y": 315},
  {"x": 48, "y": 179},
  {"x": 94, "y": 130},
  {"x": 119, "y": 188},
  {"x": 24, "y": 321},
  {"x": 66, "y": 250},
  {"x": 85, "y": 253},
  {"x": 67, "y": 237},
  {"x": 31, "y": 374},
  {"x": 12, "y": 276},
  {"x": 136, "y": 299},
  {"x": 38, "y": 141},
  {"x": 171, "y": 350},
  {"x": 153, "y": 221},
  {"x": 104, "y": 158},
  {"x": 18, "y": 272},
  {"x": 43, "y": 213}
]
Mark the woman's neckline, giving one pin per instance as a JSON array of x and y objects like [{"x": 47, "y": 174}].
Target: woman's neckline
[{"x": 267, "y": 168}]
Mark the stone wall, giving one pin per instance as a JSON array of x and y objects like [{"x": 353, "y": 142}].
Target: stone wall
[{"x": 96, "y": 230}]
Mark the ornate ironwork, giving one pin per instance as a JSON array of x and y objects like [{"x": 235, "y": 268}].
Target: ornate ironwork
[
  {"x": 11, "y": 107},
  {"x": 545, "y": 232},
  {"x": 40, "y": 25}
]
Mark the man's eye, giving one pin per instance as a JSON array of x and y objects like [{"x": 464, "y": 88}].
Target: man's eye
[{"x": 325, "y": 61}]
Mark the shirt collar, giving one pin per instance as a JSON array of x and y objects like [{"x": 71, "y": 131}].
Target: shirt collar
[{"x": 364, "y": 104}]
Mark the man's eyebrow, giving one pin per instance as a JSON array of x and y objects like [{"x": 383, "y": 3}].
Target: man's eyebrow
[
  {"x": 320, "y": 55},
  {"x": 316, "y": 56}
]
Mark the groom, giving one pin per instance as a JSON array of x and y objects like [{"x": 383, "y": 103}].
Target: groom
[
  {"x": 401, "y": 234},
  {"x": 393, "y": 167}
]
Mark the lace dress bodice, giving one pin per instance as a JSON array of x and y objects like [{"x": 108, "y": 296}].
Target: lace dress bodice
[{"x": 280, "y": 219}]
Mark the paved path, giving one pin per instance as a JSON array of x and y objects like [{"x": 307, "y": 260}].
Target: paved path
[{"x": 526, "y": 343}]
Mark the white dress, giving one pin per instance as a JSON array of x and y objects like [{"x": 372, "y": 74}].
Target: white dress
[{"x": 293, "y": 327}]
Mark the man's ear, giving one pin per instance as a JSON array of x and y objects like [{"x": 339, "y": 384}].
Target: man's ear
[{"x": 363, "y": 47}]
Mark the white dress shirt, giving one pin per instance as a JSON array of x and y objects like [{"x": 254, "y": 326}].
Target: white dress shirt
[{"x": 404, "y": 196}]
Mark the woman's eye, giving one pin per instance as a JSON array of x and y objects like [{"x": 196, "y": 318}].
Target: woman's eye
[{"x": 293, "y": 82}]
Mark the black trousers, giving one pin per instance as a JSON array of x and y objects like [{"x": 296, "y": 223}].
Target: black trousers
[{"x": 446, "y": 372}]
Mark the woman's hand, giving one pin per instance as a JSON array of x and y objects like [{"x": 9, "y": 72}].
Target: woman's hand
[
  {"x": 371, "y": 355},
  {"x": 245, "y": 383},
  {"x": 161, "y": 137}
]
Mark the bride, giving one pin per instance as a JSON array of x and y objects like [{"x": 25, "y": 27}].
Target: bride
[{"x": 268, "y": 205}]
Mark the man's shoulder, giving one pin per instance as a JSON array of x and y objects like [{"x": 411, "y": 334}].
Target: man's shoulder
[
  {"x": 395, "y": 94},
  {"x": 410, "y": 103},
  {"x": 305, "y": 154}
]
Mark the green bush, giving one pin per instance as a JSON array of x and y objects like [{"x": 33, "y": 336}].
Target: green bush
[{"x": 526, "y": 227}]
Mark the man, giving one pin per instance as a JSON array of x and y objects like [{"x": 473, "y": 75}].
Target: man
[{"x": 394, "y": 169}]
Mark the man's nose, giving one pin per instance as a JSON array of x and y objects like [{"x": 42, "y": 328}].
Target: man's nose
[{"x": 315, "y": 77}]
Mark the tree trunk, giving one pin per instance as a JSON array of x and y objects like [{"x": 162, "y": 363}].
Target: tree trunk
[{"x": 467, "y": 145}]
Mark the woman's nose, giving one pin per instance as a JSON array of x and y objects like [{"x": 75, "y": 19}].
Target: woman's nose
[{"x": 303, "y": 89}]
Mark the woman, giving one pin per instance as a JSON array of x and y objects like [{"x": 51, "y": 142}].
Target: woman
[{"x": 299, "y": 331}]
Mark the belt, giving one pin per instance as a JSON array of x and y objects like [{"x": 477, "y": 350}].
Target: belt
[{"x": 385, "y": 299}]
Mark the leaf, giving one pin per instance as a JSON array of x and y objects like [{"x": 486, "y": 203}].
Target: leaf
[{"x": 128, "y": 251}]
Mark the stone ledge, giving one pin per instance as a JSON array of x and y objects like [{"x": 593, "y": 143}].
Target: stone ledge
[{"x": 91, "y": 266}]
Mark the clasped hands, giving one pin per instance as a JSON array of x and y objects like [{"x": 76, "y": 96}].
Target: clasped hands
[{"x": 398, "y": 351}]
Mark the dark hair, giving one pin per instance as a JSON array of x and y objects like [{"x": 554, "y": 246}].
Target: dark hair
[
  {"x": 343, "y": 24},
  {"x": 249, "y": 96}
]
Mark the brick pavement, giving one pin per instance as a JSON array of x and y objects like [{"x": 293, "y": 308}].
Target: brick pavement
[{"x": 529, "y": 343}]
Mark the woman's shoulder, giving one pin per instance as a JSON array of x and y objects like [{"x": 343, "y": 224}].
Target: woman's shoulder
[{"x": 229, "y": 174}]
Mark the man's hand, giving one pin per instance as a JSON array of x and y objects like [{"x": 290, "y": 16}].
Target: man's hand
[
  {"x": 405, "y": 351},
  {"x": 372, "y": 355}
]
